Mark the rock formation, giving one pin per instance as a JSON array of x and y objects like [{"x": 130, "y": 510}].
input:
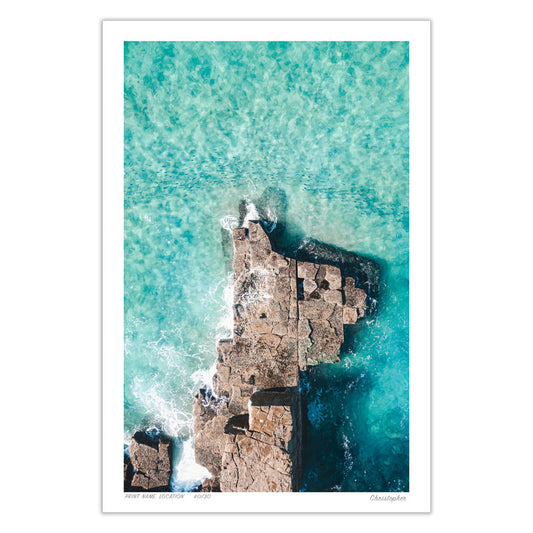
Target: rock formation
[
  {"x": 288, "y": 315},
  {"x": 149, "y": 466}
]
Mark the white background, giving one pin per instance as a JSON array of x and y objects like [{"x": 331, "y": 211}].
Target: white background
[{"x": 482, "y": 291}]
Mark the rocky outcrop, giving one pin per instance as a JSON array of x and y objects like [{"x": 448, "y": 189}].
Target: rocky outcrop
[
  {"x": 150, "y": 464},
  {"x": 288, "y": 315},
  {"x": 262, "y": 449}
]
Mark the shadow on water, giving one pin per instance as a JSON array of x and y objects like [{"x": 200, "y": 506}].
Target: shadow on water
[
  {"x": 341, "y": 453},
  {"x": 330, "y": 431},
  {"x": 336, "y": 398}
]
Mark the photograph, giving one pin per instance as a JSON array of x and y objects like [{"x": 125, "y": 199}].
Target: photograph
[
  {"x": 267, "y": 235},
  {"x": 266, "y": 266}
]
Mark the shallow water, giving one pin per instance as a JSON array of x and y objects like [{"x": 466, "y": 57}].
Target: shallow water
[{"x": 324, "y": 127}]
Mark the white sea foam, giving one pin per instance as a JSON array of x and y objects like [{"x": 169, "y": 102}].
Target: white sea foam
[
  {"x": 165, "y": 412},
  {"x": 187, "y": 474},
  {"x": 251, "y": 214},
  {"x": 348, "y": 459},
  {"x": 271, "y": 219},
  {"x": 229, "y": 222},
  {"x": 224, "y": 328},
  {"x": 262, "y": 287},
  {"x": 201, "y": 378}
]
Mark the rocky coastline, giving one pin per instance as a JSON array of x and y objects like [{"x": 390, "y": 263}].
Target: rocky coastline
[{"x": 288, "y": 314}]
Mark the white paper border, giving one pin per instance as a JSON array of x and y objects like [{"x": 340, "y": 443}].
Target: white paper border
[{"x": 114, "y": 34}]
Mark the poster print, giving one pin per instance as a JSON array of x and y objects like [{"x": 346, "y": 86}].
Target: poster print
[{"x": 267, "y": 268}]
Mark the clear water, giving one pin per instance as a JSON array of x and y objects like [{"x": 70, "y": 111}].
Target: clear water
[{"x": 326, "y": 127}]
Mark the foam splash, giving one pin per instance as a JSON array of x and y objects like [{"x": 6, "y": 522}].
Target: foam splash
[
  {"x": 204, "y": 378},
  {"x": 348, "y": 458},
  {"x": 229, "y": 222},
  {"x": 186, "y": 473},
  {"x": 251, "y": 214},
  {"x": 267, "y": 215},
  {"x": 165, "y": 413},
  {"x": 270, "y": 219}
]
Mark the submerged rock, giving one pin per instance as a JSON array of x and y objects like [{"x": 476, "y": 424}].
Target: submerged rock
[{"x": 288, "y": 314}]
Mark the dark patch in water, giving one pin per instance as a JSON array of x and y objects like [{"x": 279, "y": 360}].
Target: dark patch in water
[{"x": 340, "y": 451}]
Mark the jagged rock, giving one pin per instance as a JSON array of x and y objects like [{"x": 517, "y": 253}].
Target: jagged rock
[
  {"x": 151, "y": 458},
  {"x": 262, "y": 450},
  {"x": 209, "y": 422},
  {"x": 209, "y": 485},
  {"x": 288, "y": 314},
  {"x": 355, "y": 297},
  {"x": 333, "y": 277},
  {"x": 307, "y": 270},
  {"x": 365, "y": 270}
]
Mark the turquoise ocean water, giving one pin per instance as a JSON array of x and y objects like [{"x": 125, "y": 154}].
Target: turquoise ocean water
[{"x": 325, "y": 127}]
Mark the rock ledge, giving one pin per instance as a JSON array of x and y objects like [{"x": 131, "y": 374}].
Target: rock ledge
[{"x": 288, "y": 315}]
